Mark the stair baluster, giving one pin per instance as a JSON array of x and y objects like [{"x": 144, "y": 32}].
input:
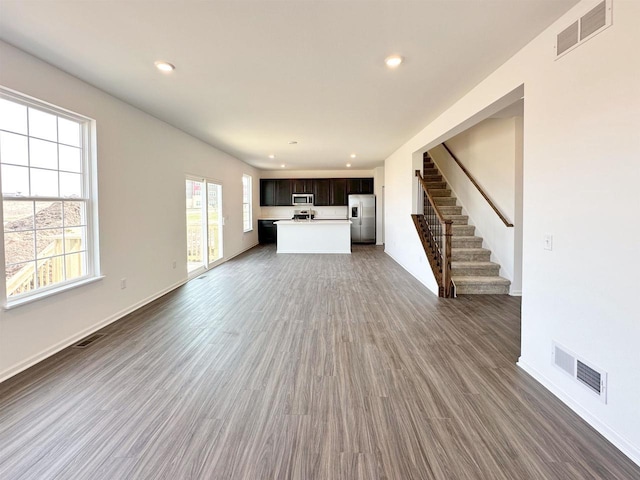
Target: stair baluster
[{"x": 435, "y": 234}]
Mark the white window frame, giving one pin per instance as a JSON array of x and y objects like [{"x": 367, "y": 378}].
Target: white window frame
[
  {"x": 89, "y": 197},
  {"x": 247, "y": 191}
]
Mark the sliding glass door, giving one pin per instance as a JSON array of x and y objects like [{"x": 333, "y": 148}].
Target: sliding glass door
[
  {"x": 214, "y": 221},
  {"x": 204, "y": 224}
]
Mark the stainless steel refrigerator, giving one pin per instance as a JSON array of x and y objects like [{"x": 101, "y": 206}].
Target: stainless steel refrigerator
[{"x": 362, "y": 213}]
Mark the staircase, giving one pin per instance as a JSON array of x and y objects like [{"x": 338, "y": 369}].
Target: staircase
[{"x": 471, "y": 270}]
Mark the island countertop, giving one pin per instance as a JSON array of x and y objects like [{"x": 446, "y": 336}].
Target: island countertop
[
  {"x": 318, "y": 221},
  {"x": 315, "y": 236}
]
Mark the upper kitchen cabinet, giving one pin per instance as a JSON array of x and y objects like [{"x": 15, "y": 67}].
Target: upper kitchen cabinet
[
  {"x": 327, "y": 192},
  {"x": 322, "y": 192},
  {"x": 283, "y": 192},
  {"x": 301, "y": 185},
  {"x": 338, "y": 192},
  {"x": 267, "y": 192},
  {"x": 275, "y": 192},
  {"x": 361, "y": 186}
]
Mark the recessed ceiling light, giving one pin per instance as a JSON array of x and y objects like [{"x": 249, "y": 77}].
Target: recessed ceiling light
[
  {"x": 348, "y": 164},
  {"x": 292, "y": 142},
  {"x": 272, "y": 156},
  {"x": 164, "y": 66},
  {"x": 393, "y": 61},
  {"x": 282, "y": 166},
  {"x": 353, "y": 155}
]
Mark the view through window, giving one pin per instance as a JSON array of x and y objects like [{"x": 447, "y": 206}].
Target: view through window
[
  {"x": 246, "y": 203},
  {"x": 46, "y": 196}
]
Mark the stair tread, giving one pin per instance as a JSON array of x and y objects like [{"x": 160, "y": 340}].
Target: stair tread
[
  {"x": 475, "y": 280},
  {"x": 471, "y": 263},
  {"x": 469, "y": 249}
]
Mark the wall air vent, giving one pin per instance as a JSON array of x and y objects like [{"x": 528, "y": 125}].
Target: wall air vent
[
  {"x": 592, "y": 22},
  {"x": 580, "y": 371},
  {"x": 567, "y": 38},
  {"x": 563, "y": 360},
  {"x": 590, "y": 377},
  {"x": 85, "y": 342}
]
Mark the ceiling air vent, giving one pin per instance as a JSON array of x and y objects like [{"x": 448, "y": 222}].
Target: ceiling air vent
[
  {"x": 593, "y": 378},
  {"x": 591, "y": 23}
]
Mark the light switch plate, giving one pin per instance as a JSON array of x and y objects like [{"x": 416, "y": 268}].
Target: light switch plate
[{"x": 548, "y": 242}]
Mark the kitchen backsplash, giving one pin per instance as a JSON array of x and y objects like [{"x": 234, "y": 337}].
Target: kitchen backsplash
[{"x": 287, "y": 212}]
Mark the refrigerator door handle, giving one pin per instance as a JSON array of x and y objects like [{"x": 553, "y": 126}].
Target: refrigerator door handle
[{"x": 360, "y": 213}]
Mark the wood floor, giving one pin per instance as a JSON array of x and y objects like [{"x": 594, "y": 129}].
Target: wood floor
[{"x": 299, "y": 367}]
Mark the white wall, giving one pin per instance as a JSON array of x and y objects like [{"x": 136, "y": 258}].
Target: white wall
[
  {"x": 488, "y": 152},
  {"x": 581, "y": 177},
  {"x": 401, "y": 193},
  {"x": 378, "y": 190},
  {"x": 142, "y": 164}
]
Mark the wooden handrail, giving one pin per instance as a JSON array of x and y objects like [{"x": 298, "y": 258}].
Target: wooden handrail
[{"x": 473, "y": 180}]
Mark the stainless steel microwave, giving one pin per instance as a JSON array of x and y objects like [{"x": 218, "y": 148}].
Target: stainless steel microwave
[{"x": 302, "y": 199}]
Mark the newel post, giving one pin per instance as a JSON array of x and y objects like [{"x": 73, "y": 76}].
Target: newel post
[{"x": 446, "y": 261}]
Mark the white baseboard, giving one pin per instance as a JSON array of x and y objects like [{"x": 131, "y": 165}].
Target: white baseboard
[
  {"x": 29, "y": 362},
  {"x": 515, "y": 293},
  {"x": 626, "y": 447}
]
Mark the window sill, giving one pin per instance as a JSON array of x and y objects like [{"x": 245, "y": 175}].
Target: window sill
[
  {"x": 11, "y": 304},
  {"x": 248, "y": 231}
]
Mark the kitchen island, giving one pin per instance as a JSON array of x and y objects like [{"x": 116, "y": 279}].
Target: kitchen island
[{"x": 315, "y": 236}]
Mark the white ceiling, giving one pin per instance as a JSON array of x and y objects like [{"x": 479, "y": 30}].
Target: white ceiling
[{"x": 253, "y": 75}]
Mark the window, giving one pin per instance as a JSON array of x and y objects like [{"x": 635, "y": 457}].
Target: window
[
  {"x": 47, "y": 187},
  {"x": 246, "y": 203}
]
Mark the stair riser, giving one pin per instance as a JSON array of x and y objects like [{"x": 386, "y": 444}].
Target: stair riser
[
  {"x": 458, "y": 219},
  {"x": 450, "y": 210},
  {"x": 450, "y": 201},
  {"x": 437, "y": 192},
  {"x": 482, "y": 290},
  {"x": 431, "y": 171},
  {"x": 455, "y": 243},
  {"x": 475, "y": 271},
  {"x": 464, "y": 230},
  {"x": 470, "y": 256},
  {"x": 436, "y": 185},
  {"x": 432, "y": 178}
]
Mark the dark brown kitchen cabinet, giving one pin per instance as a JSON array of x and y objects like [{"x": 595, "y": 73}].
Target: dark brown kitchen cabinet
[
  {"x": 283, "y": 192},
  {"x": 267, "y": 231},
  {"x": 322, "y": 192},
  {"x": 366, "y": 186},
  {"x": 338, "y": 192},
  {"x": 267, "y": 192},
  {"x": 301, "y": 185},
  {"x": 360, "y": 186},
  {"x": 275, "y": 192}
]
